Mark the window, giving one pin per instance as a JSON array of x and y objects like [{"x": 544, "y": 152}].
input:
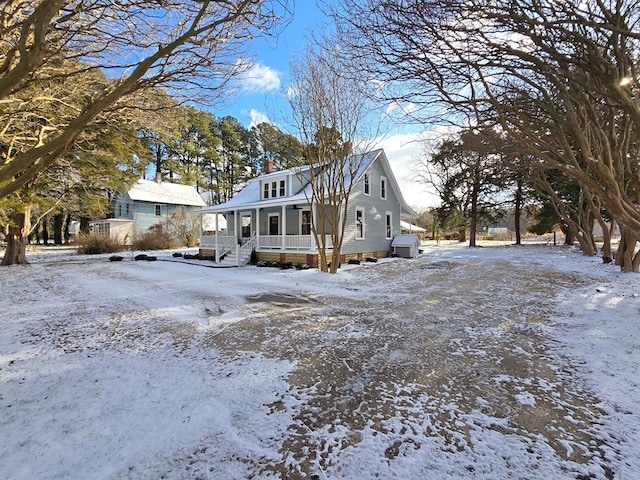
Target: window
[
  {"x": 274, "y": 189},
  {"x": 158, "y": 210},
  {"x": 359, "y": 223},
  {"x": 388, "y": 226},
  {"x": 305, "y": 222},
  {"x": 119, "y": 210},
  {"x": 282, "y": 188},
  {"x": 102, "y": 229},
  {"x": 265, "y": 193},
  {"x": 367, "y": 188},
  {"x": 383, "y": 187},
  {"x": 127, "y": 208}
]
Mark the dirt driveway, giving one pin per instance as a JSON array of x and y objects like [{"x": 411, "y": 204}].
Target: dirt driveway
[
  {"x": 443, "y": 351},
  {"x": 444, "y": 366}
]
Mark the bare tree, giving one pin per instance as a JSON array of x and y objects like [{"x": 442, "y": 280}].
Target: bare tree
[
  {"x": 561, "y": 78},
  {"x": 135, "y": 44},
  {"x": 333, "y": 114}
]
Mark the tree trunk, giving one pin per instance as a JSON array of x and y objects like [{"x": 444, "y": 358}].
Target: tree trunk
[
  {"x": 625, "y": 258},
  {"x": 587, "y": 247},
  {"x": 473, "y": 223},
  {"x": 517, "y": 214},
  {"x": 17, "y": 238},
  {"x": 84, "y": 225},
  {"x": 65, "y": 234},
  {"x": 45, "y": 230},
  {"x": 58, "y": 224},
  {"x": 462, "y": 235},
  {"x": 569, "y": 234}
]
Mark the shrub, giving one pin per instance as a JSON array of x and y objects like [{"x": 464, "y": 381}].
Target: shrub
[
  {"x": 92, "y": 244},
  {"x": 302, "y": 266},
  {"x": 354, "y": 261},
  {"x": 116, "y": 258},
  {"x": 286, "y": 265},
  {"x": 177, "y": 254},
  {"x": 184, "y": 226},
  {"x": 153, "y": 241},
  {"x": 371, "y": 259}
]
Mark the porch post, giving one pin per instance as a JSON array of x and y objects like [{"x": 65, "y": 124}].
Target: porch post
[
  {"x": 257, "y": 227},
  {"x": 217, "y": 233},
  {"x": 235, "y": 225},
  {"x": 284, "y": 226}
]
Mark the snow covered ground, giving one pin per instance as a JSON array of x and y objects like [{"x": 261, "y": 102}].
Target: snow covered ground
[{"x": 495, "y": 362}]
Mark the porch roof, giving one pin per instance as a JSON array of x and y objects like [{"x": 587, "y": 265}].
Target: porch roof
[{"x": 249, "y": 197}]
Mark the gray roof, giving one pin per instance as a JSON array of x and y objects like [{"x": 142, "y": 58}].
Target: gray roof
[
  {"x": 249, "y": 196},
  {"x": 165, "y": 192},
  {"x": 405, "y": 240}
]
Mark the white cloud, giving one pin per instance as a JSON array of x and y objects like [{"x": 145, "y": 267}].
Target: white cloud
[
  {"x": 403, "y": 109},
  {"x": 257, "y": 117},
  {"x": 258, "y": 78}
]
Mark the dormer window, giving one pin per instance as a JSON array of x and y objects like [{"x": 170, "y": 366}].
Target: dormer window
[{"x": 274, "y": 189}]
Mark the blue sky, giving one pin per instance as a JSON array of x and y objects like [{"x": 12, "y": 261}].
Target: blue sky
[
  {"x": 260, "y": 90},
  {"x": 259, "y": 98}
]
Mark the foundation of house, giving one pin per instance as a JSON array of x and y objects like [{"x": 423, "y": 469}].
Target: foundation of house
[{"x": 311, "y": 259}]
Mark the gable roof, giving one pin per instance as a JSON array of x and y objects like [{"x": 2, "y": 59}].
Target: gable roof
[
  {"x": 249, "y": 196},
  {"x": 165, "y": 192}
]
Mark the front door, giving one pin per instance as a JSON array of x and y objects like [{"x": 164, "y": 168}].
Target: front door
[
  {"x": 274, "y": 225},
  {"x": 245, "y": 221}
]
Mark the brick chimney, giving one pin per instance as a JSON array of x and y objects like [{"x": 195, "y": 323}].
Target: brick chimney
[{"x": 268, "y": 166}]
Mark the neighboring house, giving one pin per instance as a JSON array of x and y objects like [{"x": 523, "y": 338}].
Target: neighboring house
[
  {"x": 145, "y": 206},
  {"x": 272, "y": 216}
]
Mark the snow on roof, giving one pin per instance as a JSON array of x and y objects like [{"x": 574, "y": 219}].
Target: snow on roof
[
  {"x": 405, "y": 240},
  {"x": 410, "y": 226},
  {"x": 249, "y": 196},
  {"x": 165, "y": 192}
]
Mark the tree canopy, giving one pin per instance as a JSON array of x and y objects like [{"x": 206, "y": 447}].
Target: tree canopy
[{"x": 51, "y": 49}]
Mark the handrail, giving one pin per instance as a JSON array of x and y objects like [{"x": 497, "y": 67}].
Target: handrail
[
  {"x": 246, "y": 248},
  {"x": 225, "y": 248}
]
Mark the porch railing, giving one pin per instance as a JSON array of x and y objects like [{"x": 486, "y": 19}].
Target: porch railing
[
  {"x": 209, "y": 241},
  {"x": 291, "y": 242},
  {"x": 244, "y": 250},
  {"x": 226, "y": 243}
]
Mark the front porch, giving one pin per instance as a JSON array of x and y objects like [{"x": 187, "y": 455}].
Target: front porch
[{"x": 280, "y": 233}]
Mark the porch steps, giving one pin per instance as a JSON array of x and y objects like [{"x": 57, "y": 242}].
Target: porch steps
[
  {"x": 239, "y": 256},
  {"x": 231, "y": 259}
]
